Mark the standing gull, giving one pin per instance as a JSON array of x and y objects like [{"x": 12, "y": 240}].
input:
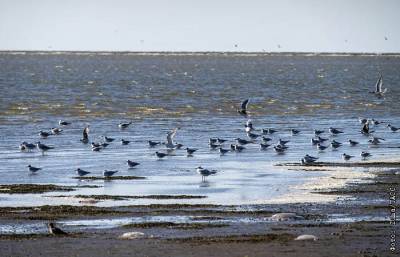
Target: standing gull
[
  {"x": 309, "y": 158},
  {"x": 109, "y": 173},
  {"x": 223, "y": 151},
  {"x": 280, "y": 149},
  {"x": 213, "y": 146},
  {"x": 108, "y": 139},
  {"x": 160, "y": 155},
  {"x": 264, "y": 146},
  {"x": 205, "y": 172},
  {"x": 365, "y": 155},
  {"x": 268, "y": 131},
  {"x": 42, "y": 147},
  {"x": 376, "y": 140},
  {"x": 28, "y": 146},
  {"x": 252, "y": 135},
  {"x": 56, "y": 131},
  {"x": 335, "y": 144},
  {"x": 82, "y": 172},
  {"x": 393, "y": 128},
  {"x": 44, "y": 134},
  {"x": 321, "y": 147},
  {"x": 353, "y": 143},
  {"x": 190, "y": 151},
  {"x": 335, "y": 131},
  {"x": 125, "y": 142},
  {"x": 318, "y": 132},
  {"x": 243, "y": 141},
  {"x": 33, "y": 169},
  {"x": 153, "y": 143},
  {"x": 132, "y": 164},
  {"x": 294, "y": 132},
  {"x": 346, "y": 157},
  {"x": 221, "y": 141}
]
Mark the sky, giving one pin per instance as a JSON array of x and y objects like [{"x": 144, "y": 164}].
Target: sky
[{"x": 202, "y": 25}]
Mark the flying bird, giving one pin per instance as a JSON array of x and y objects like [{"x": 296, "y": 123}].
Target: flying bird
[
  {"x": 378, "y": 87},
  {"x": 243, "y": 107},
  {"x": 170, "y": 138},
  {"x": 85, "y": 135}
]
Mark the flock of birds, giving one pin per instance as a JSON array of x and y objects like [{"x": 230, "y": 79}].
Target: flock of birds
[{"x": 252, "y": 134}]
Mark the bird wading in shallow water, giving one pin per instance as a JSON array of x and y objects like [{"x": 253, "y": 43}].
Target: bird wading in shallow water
[
  {"x": 53, "y": 230},
  {"x": 205, "y": 172}
]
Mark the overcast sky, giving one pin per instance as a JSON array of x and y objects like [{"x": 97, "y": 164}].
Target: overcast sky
[{"x": 201, "y": 25}]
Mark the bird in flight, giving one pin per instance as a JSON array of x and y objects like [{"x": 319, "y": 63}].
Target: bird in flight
[{"x": 243, "y": 107}]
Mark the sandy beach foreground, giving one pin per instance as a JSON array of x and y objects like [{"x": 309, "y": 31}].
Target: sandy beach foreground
[{"x": 361, "y": 224}]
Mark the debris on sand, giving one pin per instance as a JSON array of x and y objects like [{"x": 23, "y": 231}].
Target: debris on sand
[
  {"x": 132, "y": 235},
  {"x": 285, "y": 216},
  {"x": 306, "y": 238}
]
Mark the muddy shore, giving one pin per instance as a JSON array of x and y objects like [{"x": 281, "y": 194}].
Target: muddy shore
[{"x": 358, "y": 225}]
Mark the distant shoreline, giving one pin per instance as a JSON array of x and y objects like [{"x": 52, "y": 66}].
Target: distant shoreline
[{"x": 188, "y": 53}]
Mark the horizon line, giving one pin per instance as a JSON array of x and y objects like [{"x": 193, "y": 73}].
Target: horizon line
[{"x": 272, "y": 53}]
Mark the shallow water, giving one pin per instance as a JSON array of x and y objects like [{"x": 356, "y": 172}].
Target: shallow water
[{"x": 200, "y": 94}]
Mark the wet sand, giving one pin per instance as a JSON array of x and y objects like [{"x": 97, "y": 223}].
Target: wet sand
[{"x": 358, "y": 225}]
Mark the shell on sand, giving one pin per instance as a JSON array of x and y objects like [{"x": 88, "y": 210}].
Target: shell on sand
[
  {"x": 306, "y": 237},
  {"x": 285, "y": 216},
  {"x": 132, "y": 235}
]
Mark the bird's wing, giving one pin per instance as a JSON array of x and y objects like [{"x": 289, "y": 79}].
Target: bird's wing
[
  {"x": 244, "y": 104},
  {"x": 86, "y": 133},
  {"x": 171, "y": 135},
  {"x": 378, "y": 85}
]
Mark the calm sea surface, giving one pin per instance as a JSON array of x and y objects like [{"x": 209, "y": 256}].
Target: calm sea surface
[{"x": 200, "y": 94}]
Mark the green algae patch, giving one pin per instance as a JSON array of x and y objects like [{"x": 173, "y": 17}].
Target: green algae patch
[
  {"x": 32, "y": 188},
  {"x": 127, "y": 197},
  {"x": 48, "y": 212},
  {"x": 284, "y": 237},
  {"x": 172, "y": 225}
]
